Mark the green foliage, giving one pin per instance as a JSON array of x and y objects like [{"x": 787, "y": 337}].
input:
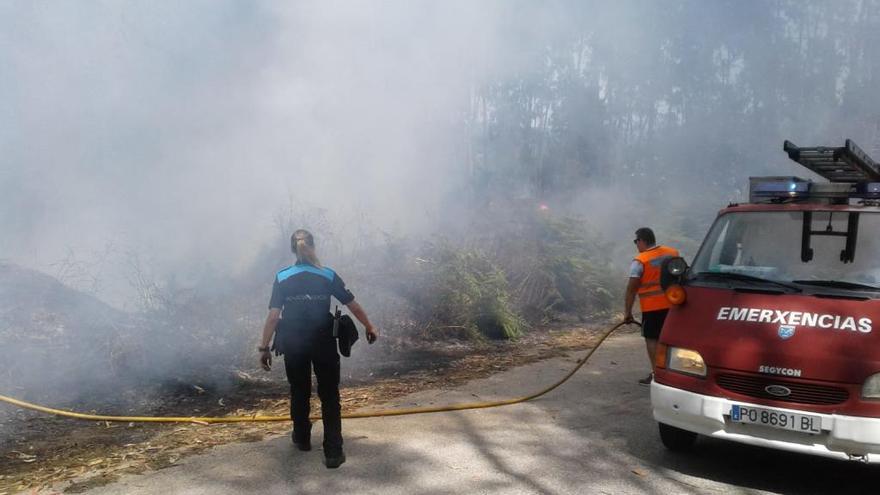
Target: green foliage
[
  {"x": 571, "y": 271},
  {"x": 531, "y": 267},
  {"x": 466, "y": 292}
]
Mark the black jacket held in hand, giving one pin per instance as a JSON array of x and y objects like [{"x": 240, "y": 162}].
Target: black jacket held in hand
[{"x": 348, "y": 335}]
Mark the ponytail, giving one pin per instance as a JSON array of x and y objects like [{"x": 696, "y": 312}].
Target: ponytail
[{"x": 302, "y": 243}]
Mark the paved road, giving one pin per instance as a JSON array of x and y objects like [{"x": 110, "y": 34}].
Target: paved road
[{"x": 593, "y": 435}]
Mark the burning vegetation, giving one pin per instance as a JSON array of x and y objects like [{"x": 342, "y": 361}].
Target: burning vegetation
[
  {"x": 451, "y": 309},
  {"x": 472, "y": 286}
]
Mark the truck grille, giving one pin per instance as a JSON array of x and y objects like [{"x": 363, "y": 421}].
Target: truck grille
[{"x": 801, "y": 393}]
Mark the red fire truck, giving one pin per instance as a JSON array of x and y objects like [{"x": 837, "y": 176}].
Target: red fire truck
[{"x": 774, "y": 334}]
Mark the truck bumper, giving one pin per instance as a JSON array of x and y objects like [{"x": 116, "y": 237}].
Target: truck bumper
[{"x": 842, "y": 437}]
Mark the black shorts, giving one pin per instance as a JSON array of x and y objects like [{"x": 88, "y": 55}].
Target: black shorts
[{"x": 652, "y": 323}]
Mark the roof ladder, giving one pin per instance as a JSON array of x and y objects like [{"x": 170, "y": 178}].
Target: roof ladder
[{"x": 846, "y": 164}]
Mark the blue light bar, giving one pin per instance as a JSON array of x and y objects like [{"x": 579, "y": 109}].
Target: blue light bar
[
  {"x": 777, "y": 188},
  {"x": 868, "y": 189}
]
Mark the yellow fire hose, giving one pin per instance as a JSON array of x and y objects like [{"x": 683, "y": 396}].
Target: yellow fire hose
[{"x": 365, "y": 414}]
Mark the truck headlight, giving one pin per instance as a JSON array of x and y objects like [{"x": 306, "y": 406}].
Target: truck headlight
[
  {"x": 686, "y": 361},
  {"x": 871, "y": 387}
]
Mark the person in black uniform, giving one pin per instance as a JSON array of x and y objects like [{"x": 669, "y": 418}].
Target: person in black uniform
[{"x": 300, "y": 319}]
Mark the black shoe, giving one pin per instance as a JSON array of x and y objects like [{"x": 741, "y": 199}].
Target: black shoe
[
  {"x": 334, "y": 461},
  {"x": 304, "y": 444},
  {"x": 647, "y": 380}
]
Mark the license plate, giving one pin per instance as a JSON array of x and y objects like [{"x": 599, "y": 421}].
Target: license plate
[{"x": 805, "y": 423}]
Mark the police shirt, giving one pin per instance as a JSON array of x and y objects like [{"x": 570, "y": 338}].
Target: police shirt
[{"x": 303, "y": 292}]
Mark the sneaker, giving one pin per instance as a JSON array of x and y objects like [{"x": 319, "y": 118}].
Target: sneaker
[
  {"x": 333, "y": 462},
  {"x": 647, "y": 380}
]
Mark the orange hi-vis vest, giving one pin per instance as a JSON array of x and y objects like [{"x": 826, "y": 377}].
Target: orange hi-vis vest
[{"x": 651, "y": 296}]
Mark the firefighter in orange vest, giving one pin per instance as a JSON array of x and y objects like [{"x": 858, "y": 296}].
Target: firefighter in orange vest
[{"x": 644, "y": 280}]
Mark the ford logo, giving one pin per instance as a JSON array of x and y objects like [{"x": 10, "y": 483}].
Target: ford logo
[
  {"x": 786, "y": 331},
  {"x": 778, "y": 390}
]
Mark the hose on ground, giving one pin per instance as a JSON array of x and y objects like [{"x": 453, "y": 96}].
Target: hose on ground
[{"x": 352, "y": 415}]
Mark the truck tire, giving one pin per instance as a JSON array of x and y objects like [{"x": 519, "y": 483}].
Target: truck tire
[{"x": 676, "y": 439}]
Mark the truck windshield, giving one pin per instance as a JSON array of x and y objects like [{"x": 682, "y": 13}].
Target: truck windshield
[{"x": 771, "y": 246}]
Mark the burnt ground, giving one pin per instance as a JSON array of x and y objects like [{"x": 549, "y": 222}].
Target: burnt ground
[{"x": 39, "y": 453}]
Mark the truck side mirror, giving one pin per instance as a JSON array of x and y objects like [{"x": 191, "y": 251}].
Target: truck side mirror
[{"x": 672, "y": 272}]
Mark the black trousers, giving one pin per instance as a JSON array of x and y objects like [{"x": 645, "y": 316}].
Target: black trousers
[
  {"x": 652, "y": 323},
  {"x": 299, "y": 374}
]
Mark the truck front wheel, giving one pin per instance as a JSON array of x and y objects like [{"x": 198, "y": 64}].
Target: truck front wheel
[{"x": 676, "y": 439}]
